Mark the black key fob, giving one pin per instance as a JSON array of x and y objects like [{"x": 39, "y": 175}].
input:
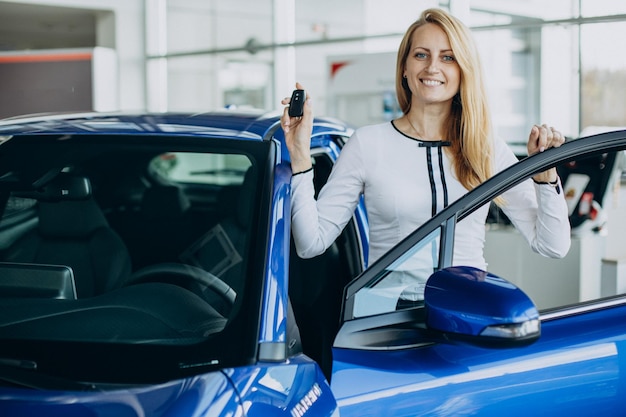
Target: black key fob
[{"x": 296, "y": 105}]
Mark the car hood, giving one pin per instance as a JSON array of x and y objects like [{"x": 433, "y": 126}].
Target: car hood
[{"x": 205, "y": 394}]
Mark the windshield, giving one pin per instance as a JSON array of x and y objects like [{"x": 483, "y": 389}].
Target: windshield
[{"x": 138, "y": 251}]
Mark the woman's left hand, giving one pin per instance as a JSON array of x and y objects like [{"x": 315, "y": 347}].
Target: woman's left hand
[{"x": 541, "y": 138}]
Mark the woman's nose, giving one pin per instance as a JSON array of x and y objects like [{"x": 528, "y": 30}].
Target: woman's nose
[{"x": 432, "y": 66}]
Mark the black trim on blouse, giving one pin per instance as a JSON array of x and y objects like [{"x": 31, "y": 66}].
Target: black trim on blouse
[{"x": 429, "y": 145}]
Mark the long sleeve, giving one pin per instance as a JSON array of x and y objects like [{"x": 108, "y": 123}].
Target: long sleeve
[
  {"x": 316, "y": 224},
  {"x": 539, "y": 212}
]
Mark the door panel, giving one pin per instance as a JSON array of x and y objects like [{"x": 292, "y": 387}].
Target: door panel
[{"x": 576, "y": 368}]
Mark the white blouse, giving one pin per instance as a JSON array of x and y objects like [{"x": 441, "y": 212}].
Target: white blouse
[{"x": 405, "y": 181}]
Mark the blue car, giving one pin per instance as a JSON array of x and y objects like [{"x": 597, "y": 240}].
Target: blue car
[{"x": 147, "y": 269}]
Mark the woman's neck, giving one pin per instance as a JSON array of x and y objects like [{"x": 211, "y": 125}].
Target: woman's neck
[{"x": 424, "y": 125}]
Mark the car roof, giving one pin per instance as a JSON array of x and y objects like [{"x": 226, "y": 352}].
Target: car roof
[{"x": 240, "y": 123}]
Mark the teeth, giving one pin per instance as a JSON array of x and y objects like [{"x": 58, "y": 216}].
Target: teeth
[{"x": 432, "y": 82}]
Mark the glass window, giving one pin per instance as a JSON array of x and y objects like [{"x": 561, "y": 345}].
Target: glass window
[
  {"x": 500, "y": 12},
  {"x": 603, "y": 77},
  {"x": 510, "y": 59},
  {"x": 216, "y": 81},
  {"x": 218, "y": 24},
  {"x": 401, "y": 284}
]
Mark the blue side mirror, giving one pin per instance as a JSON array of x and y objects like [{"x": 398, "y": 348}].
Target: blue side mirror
[{"x": 468, "y": 304}]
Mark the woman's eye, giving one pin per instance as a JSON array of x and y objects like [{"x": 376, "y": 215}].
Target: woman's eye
[
  {"x": 421, "y": 55},
  {"x": 449, "y": 58}
]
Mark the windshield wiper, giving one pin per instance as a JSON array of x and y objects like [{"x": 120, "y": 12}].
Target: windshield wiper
[{"x": 24, "y": 373}]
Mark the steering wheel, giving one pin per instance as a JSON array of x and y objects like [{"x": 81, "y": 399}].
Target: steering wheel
[{"x": 185, "y": 276}]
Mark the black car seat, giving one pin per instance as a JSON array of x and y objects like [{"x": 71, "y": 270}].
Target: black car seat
[{"x": 73, "y": 231}]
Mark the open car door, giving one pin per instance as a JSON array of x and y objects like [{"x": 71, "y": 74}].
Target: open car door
[{"x": 477, "y": 344}]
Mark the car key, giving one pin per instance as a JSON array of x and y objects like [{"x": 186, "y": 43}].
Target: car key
[{"x": 296, "y": 105}]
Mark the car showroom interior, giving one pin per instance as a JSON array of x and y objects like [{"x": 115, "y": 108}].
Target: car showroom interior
[{"x": 104, "y": 101}]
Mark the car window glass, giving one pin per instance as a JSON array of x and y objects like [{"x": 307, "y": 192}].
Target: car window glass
[{"x": 401, "y": 284}]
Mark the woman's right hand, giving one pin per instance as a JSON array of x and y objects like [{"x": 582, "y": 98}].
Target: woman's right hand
[{"x": 298, "y": 132}]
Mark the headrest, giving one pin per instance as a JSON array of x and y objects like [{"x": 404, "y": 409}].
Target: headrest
[
  {"x": 164, "y": 201},
  {"x": 66, "y": 207},
  {"x": 65, "y": 187}
]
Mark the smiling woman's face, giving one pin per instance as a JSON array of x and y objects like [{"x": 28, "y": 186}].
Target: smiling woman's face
[{"x": 432, "y": 72}]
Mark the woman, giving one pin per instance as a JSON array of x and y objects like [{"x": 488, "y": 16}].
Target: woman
[{"x": 411, "y": 168}]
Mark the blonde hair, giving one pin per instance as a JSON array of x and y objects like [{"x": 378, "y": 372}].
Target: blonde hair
[{"x": 469, "y": 125}]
